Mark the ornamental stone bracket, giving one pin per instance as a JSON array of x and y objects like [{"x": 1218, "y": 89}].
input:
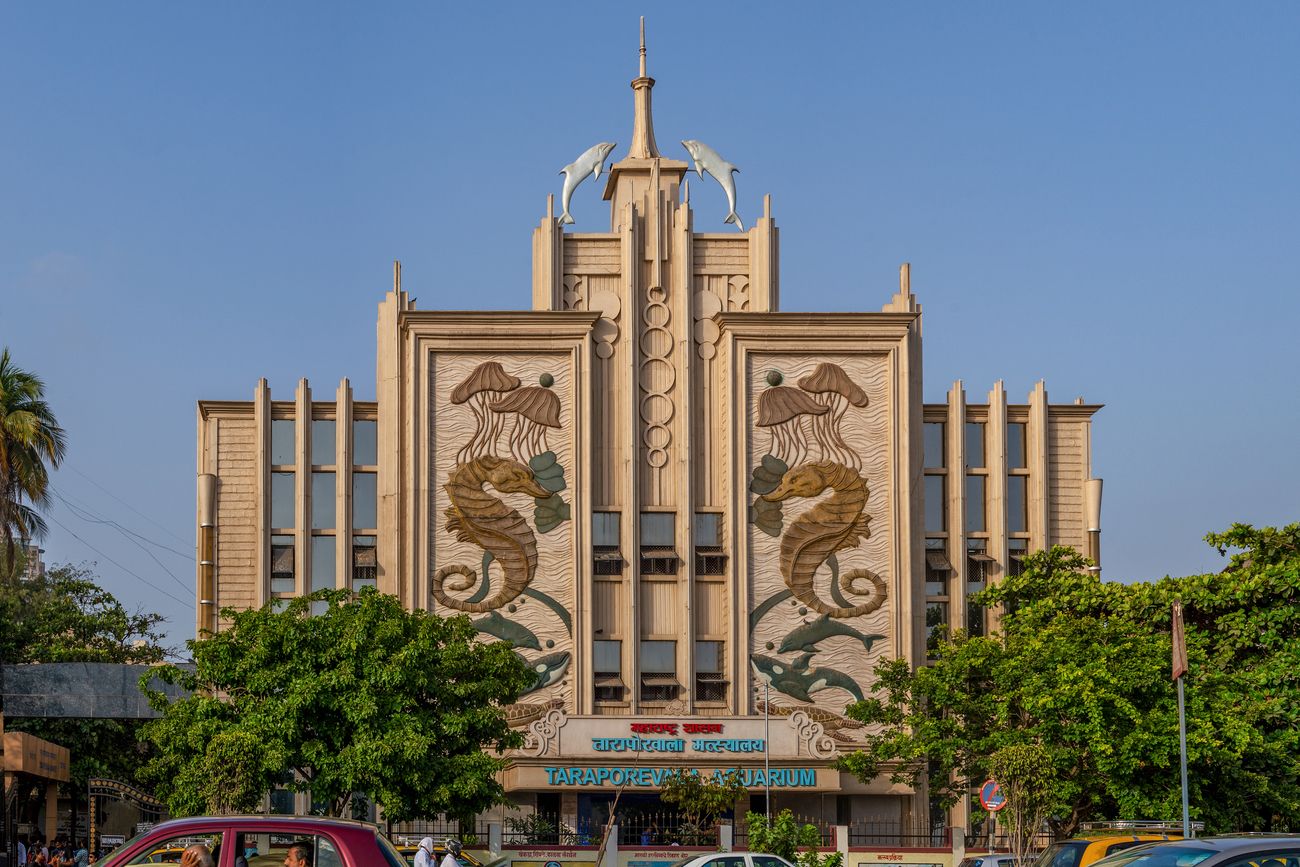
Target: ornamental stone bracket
[{"x": 543, "y": 736}]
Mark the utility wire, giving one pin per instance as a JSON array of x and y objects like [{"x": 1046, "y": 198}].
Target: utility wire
[
  {"x": 77, "y": 504},
  {"x": 129, "y": 506},
  {"x": 126, "y": 534},
  {"x": 117, "y": 564}
]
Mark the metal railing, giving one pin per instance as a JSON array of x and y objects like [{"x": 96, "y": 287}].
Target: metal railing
[
  {"x": 897, "y": 834},
  {"x": 441, "y": 828}
]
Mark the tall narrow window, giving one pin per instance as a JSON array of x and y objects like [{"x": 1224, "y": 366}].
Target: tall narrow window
[
  {"x": 710, "y": 677},
  {"x": 283, "y": 453},
  {"x": 365, "y": 452},
  {"x": 975, "y": 445},
  {"x": 975, "y": 504},
  {"x": 283, "y": 575},
  {"x": 606, "y": 544},
  {"x": 709, "y": 556},
  {"x": 658, "y": 543},
  {"x": 364, "y": 495},
  {"x": 322, "y": 501},
  {"x": 607, "y": 668},
  {"x": 938, "y": 572},
  {"x": 1016, "y": 445},
  {"x": 365, "y": 563},
  {"x": 658, "y": 671},
  {"x": 283, "y": 501},
  {"x": 322, "y": 442},
  {"x": 322, "y": 567},
  {"x": 977, "y": 564},
  {"x": 933, "y": 439},
  {"x": 1017, "y": 511},
  {"x": 936, "y": 505}
]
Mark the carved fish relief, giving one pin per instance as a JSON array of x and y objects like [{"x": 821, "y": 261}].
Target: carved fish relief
[
  {"x": 524, "y": 713},
  {"x": 797, "y": 680}
]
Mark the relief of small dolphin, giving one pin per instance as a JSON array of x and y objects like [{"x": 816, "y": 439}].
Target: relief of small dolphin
[
  {"x": 797, "y": 681},
  {"x": 809, "y": 634},
  {"x": 707, "y": 160},
  {"x": 508, "y": 631},
  {"x": 548, "y": 669},
  {"x": 592, "y": 162}
]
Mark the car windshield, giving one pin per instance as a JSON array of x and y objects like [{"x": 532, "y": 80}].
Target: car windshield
[
  {"x": 1064, "y": 854},
  {"x": 117, "y": 850}
]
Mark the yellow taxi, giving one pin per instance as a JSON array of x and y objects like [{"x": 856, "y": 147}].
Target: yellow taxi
[
  {"x": 408, "y": 850},
  {"x": 1097, "y": 840}
]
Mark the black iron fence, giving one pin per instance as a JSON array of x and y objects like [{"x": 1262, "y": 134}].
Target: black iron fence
[
  {"x": 663, "y": 829},
  {"x": 899, "y": 835},
  {"x": 547, "y": 829},
  {"x": 470, "y": 833}
]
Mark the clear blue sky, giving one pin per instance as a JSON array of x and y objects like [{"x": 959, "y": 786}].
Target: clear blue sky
[{"x": 1102, "y": 195}]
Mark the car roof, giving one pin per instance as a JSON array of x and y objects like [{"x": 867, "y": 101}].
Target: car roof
[
  {"x": 263, "y": 819},
  {"x": 1236, "y": 842}
]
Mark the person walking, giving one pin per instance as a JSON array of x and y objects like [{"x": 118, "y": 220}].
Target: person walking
[
  {"x": 424, "y": 854},
  {"x": 453, "y": 851}
]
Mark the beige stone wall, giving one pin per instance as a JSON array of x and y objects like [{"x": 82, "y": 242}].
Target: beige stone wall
[
  {"x": 469, "y": 440},
  {"x": 859, "y": 449},
  {"x": 237, "y": 512},
  {"x": 1067, "y": 470}
]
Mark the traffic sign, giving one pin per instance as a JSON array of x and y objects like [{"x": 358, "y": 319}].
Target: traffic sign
[{"x": 991, "y": 797}]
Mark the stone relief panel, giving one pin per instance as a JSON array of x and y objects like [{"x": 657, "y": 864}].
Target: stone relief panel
[
  {"x": 820, "y": 530},
  {"x": 501, "y": 539}
]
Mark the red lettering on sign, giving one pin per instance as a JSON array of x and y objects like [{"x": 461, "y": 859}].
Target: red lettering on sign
[{"x": 653, "y": 728}]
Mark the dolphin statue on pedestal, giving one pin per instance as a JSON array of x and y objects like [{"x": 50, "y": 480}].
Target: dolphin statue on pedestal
[
  {"x": 591, "y": 162},
  {"x": 707, "y": 160}
]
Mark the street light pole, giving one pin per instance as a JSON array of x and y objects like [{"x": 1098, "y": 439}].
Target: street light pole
[{"x": 767, "y": 748}]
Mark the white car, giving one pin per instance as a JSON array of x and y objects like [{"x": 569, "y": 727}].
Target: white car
[
  {"x": 994, "y": 860},
  {"x": 734, "y": 859}
]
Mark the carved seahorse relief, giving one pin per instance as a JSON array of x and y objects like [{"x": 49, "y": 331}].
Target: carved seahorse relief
[
  {"x": 483, "y": 519},
  {"x": 835, "y": 524}
]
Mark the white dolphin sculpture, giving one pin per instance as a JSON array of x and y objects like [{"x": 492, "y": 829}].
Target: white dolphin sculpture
[
  {"x": 591, "y": 162},
  {"x": 707, "y": 160}
]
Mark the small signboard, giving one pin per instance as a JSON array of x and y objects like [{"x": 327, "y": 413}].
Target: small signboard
[{"x": 991, "y": 797}]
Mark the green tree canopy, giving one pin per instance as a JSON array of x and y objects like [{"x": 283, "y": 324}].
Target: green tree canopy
[
  {"x": 30, "y": 438},
  {"x": 702, "y": 800},
  {"x": 365, "y": 697},
  {"x": 785, "y": 836},
  {"x": 65, "y": 616},
  {"x": 1082, "y": 668}
]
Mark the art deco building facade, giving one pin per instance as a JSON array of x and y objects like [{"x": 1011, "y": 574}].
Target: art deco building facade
[{"x": 701, "y": 519}]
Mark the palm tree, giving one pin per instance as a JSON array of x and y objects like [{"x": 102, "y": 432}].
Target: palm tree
[{"x": 30, "y": 438}]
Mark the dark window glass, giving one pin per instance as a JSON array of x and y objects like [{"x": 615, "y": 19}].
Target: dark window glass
[
  {"x": 937, "y": 567},
  {"x": 364, "y": 443},
  {"x": 1016, "y": 445},
  {"x": 975, "y": 504},
  {"x": 322, "y": 563},
  {"x": 1017, "y": 550},
  {"x": 934, "y": 450},
  {"x": 322, "y": 501},
  {"x": 282, "y": 442},
  {"x": 365, "y": 562},
  {"x": 708, "y": 529},
  {"x": 708, "y": 656},
  {"x": 364, "y": 495},
  {"x": 936, "y": 624},
  {"x": 322, "y": 441},
  {"x": 977, "y": 562},
  {"x": 658, "y": 530},
  {"x": 607, "y": 656},
  {"x": 282, "y": 565},
  {"x": 604, "y": 529},
  {"x": 935, "y": 505},
  {"x": 975, "y": 444},
  {"x": 607, "y": 669},
  {"x": 658, "y": 671},
  {"x": 1017, "y": 513},
  {"x": 283, "y": 501}
]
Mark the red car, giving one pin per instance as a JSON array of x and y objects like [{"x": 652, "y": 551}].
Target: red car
[{"x": 261, "y": 841}]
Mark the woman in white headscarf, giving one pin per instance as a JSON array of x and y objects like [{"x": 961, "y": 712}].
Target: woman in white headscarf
[{"x": 424, "y": 855}]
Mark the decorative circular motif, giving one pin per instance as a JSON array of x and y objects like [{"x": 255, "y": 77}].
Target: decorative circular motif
[
  {"x": 656, "y": 411},
  {"x": 770, "y": 646},
  {"x": 656, "y": 315},
  {"x": 658, "y": 376},
  {"x": 546, "y": 380},
  {"x": 656, "y": 438},
  {"x": 706, "y": 351},
  {"x": 657, "y": 458},
  {"x": 775, "y": 377},
  {"x": 604, "y": 350},
  {"x": 512, "y": 608}
]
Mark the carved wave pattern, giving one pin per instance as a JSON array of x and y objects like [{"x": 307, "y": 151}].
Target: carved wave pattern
[
  {"x": 866, "y": 432},
  {"x": 452, "y": 425}
]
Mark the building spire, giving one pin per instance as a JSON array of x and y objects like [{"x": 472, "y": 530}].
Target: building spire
[{"x": 643, "y": 131}]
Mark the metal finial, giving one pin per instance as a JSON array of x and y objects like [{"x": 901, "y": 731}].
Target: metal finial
[{"x": 643, "y": 46}]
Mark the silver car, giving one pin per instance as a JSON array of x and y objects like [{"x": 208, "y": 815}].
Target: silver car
[{"x": 734, "y": 859}]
